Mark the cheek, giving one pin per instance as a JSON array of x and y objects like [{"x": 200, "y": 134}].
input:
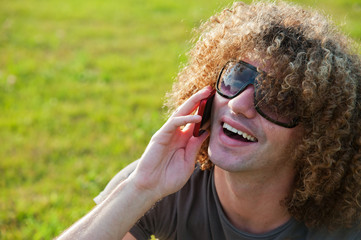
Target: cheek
[
  {"x": 283, "y": 139},
  {"x": 277, "y": 134},
  {"x": 219, "y": 102},
  {"x": 270, "y": 127}
]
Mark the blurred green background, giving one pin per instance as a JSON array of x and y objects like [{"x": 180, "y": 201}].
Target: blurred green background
[{"x": 81, "y": 91}]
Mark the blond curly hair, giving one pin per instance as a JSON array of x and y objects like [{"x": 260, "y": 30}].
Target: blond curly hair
[{"x": 314, "y": 73}]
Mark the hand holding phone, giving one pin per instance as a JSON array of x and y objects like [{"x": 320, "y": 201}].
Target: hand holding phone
[{"x": 204, "y": 110}]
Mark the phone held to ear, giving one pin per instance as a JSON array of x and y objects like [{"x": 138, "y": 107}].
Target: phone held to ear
[{"x": 204, "y": 110}]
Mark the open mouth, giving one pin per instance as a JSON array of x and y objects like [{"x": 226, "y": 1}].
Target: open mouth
[{"x": 237, "y": 134}]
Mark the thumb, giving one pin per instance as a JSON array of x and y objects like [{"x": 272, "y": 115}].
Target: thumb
[{"x": 193, "y": 146}]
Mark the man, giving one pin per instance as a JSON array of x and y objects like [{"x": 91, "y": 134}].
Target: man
[{"x": 282, "y": 160}]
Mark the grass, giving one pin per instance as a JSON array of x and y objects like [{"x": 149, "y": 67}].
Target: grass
[{"x": 81, "y": 91}]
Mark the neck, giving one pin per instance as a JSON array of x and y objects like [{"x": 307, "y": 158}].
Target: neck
[{"x": 253, "y": 203}]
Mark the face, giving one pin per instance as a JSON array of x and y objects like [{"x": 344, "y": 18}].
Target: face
[{"x": 242, "y": 140}]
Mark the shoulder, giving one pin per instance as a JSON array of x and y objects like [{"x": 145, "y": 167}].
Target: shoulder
[
  {"x": 171, "y": 215},
  {"x": 200, "y": 176},
  {"x": 353, "y": 233},
  {"x": 188, "y": 200},
  {"x": 198, "y": 184}
]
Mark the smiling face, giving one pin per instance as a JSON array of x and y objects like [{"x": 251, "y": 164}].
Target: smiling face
[{"x": 242, "y": 140}]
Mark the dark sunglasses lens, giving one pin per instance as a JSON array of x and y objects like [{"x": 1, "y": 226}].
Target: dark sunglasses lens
[
  {"x": 274, "y": 112},
  {"x": 234, "y": 78}
]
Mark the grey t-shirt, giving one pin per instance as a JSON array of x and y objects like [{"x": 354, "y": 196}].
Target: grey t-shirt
[{"x": 194, "y": 212}]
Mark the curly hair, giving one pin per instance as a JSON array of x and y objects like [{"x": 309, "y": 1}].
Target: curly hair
[{"x": 314, "y": 73}]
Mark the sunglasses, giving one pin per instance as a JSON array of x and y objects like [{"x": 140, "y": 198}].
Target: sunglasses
[{"x": 233, "y": 80}]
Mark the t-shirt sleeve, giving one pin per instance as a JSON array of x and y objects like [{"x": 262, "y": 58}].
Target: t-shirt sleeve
[
  {"x": 160, "y": 220},
  {"x": 175, "y": 216},
  {"x": 358, "y": 234}
]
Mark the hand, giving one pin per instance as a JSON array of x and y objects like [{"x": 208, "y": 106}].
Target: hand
[
  {"x": 168, "y": 161},
  {"x": 164, "y": 168}
]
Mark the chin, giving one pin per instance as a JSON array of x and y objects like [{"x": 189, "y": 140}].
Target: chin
[{"x": 226, "y": 163}]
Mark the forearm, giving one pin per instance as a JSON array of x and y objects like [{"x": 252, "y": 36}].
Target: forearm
[
  {"x": 163, "y": 169},
  {"x": 113, "y": 218}
]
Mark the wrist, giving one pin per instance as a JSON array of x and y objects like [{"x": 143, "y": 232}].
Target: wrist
[{"x": 137, "y": 191}]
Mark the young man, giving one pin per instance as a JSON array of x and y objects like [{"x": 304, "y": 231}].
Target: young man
[{"x": 282, "y": 160}]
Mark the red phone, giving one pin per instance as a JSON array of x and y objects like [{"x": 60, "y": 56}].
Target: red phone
[{"x": 204, "y": 110}]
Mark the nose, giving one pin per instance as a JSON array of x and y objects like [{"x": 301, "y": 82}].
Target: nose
[{"x": 243, "y": 104}]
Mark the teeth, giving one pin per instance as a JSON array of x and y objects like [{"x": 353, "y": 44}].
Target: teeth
[{"x": 244, "y": 135}]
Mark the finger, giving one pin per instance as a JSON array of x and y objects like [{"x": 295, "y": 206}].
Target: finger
[
  {"x": 191, "y": 104},
  {"x": 194, "y": 145},
  {"x": 175, "y": 122},
  {"x": 188, "y": 127}
]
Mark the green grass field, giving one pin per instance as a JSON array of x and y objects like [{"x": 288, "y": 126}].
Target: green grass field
[{"x": 81, "y": 91}]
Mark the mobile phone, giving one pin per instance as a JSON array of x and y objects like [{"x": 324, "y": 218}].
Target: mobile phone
[{"x": 204, "y": 110}]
